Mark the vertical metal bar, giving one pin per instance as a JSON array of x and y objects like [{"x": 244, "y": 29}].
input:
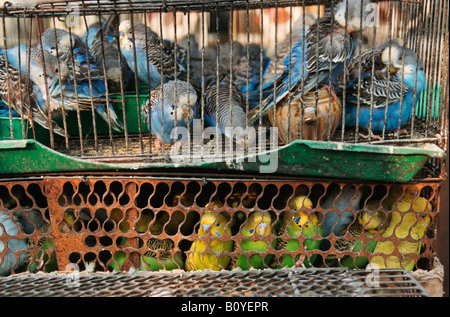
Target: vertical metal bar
[
  {"x": 107, "y": 104},
  {"x": 175, "y": 64},
  {"x": 63, "y": 110},
  {"x": 302, "y": 85},
  {"x": 8, "y": 76},
  {"x": 121, "y": 85},
  {"x": 344, "y": 85},
  {"x": 149, "y": 91},
  {"x": 329, "y": 82},
  {"x": 24, "y": 136},
  {"x": 232, "y": 75},
  {"x": 218, "y": 52},
  {"x": 136, "y": 81},
  {"x": 390, "y": 18},
  {"x": 247, "y": 106},
  {"x": 162, "y": 81},
  {"x": 262, "y": 45},
  {"x": 39, "y": 32}
]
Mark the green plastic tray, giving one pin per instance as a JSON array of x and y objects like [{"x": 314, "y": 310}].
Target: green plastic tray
[{"x": 299, "y": 158}]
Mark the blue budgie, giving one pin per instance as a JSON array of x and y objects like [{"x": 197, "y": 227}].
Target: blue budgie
[
  {"x": 153, "y": 55},
  {"x": 4, "y": 108},
  {"x": 71, "y": 49},
  {"x": 401, "y": 82},
  {"x": 83, "y": 68},
  {"x": 102, "y": 40},
  {"x": 11, "y": 260},
  {"x": 318, "y": 59},
  {"x": 179, "y": 103},
  {"x": 26, "y": 95}
]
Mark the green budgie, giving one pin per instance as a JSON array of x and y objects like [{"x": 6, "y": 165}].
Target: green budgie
[
  {"x": 260, "y": 224},
  {"x": 299, "y": 224},
  {"x": 154, "y": 261}
]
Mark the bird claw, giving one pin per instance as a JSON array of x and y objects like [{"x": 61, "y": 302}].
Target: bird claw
[
  {"x": 371, "y": 135},
  {"x": 300, "y": 263},
  {"x": 158, "y": 144},
  {"x": 332, "y": 92}
]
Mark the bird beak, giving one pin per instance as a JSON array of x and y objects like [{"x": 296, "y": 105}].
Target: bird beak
[
  {"x": 206, "y": 227},
  {"x": 391, "y": 69},
  {"x": 262, "y": 226},
  {"x": 349, "y": 29}
]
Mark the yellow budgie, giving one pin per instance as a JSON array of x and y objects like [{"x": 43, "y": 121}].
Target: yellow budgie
[
  {"x": 216, "y": 225},
  {"x": 404, "y": 223}
]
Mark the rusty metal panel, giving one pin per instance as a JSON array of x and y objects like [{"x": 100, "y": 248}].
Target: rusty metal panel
[{"x": 106, "y": 224}]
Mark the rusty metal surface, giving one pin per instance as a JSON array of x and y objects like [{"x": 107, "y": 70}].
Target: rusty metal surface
[
  {"x": 105, "y": 210},
  {"x": 280, "y": 283}
]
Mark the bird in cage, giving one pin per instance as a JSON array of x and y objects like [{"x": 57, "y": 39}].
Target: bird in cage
[
  {"x": 382, "y": 99},
  {"x": 366, "y": 222},
  {"x": 85, "y": 84},
  {"x": 102, "y": 41},
  {"x": 170, "y": 105},
  {"x": 257, "y": 225},
  {"x": 159, "y": 256},
  {"x": 410, "y": 221},
  {"x": 318, "y": 59},
  {"x": 276, "y": 66},
  {"x": 315, "y": 116},
  {"x": 70, "y": 49},
  {"x": 154, "y": 56},
  {"x": 23, "y": 95},
  {"x": 229, "y": 113},
  {"x": 14, "y": 259},
  {"x": 348, "y": 197},
  {"x": 214, "y": 225},
  {"x": 295, "y": 224}
]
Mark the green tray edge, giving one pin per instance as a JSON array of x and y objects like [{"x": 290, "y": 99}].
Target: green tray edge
[{"x": 318, "y": 159}]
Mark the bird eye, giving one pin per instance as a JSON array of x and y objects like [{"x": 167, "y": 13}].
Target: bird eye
[
  {"x": 56, "y": 70},
  {"x": 218, "y": 224}
]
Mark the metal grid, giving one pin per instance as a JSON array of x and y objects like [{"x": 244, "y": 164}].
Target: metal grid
[
  {"x": 422, "y": 25},
  {"x": 265, "y": 283},
  {"x": 106, "y": 224}
]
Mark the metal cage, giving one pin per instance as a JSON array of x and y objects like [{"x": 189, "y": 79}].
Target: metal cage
[
  {"x": 97, "y": 195},
  {"x": 220, "y": 49}
]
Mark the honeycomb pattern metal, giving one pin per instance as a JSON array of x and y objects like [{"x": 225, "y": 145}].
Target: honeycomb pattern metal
[
  {"x": 279, "y": 283},
  {"x": 94, "y": 222}
]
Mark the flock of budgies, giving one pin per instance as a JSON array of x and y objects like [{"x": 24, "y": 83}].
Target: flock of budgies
[
  {"x": 344, "y": 227},
  {"x": 389, "y": 77}
]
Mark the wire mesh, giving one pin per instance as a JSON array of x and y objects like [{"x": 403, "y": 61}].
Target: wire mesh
[
  {"x": 227, "y": 51},
  {"x": 282, "y": 283},
  {"x": 105, "y": 224}
]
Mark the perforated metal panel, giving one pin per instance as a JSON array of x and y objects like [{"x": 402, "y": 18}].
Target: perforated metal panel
[{"x": 99, "y": 222}]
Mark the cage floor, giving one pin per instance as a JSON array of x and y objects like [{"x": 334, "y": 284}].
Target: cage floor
[
  {"x": 256, "y": 283},
  {"x": 132, "y": 145}
]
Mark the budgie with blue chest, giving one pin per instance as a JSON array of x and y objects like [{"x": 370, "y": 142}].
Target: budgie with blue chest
[
  {"x": 154, "y": 56},
  {"x": 318, "y": 58},
  {"x": 85, "y": 80},
  {"x": 390, "y": 91},
  {"x": 169, "y": 105}
]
